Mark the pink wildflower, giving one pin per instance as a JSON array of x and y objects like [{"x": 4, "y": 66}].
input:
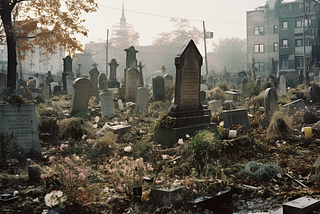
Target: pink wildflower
[
  {"x": 51, "y": 158},
  {"x": 67, "y": 159},
  {"x": 63, "y": 146},
  {"x": 195, "y": 191},
  {"x": 89, "y": 141},
  {"x": 125, "y": 158},
  {"x": 82, "y": 177},
  {"x": 123, "y": 165},
  {"x": 43, "y": 177}
]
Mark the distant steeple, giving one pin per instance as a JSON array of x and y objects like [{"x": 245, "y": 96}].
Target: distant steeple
[{"x": 123, "y": 19}]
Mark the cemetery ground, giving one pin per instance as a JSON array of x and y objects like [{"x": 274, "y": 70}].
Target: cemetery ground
[{"x": 93, "y": 164}]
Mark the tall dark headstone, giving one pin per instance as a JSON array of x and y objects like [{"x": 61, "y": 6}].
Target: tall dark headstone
[
  {"x": 67, "y": 70},
  {"x": 80, "y": 95},
  {"x": 131, "y": 59},
  {"x": 94, "y": 73},
  {"x": 158, "y": 90},
  {"x": 244, "y": 82},
  {"x": 103, "y": 81},
  {"x": 187, "y": 113},
  {"x": 113, "y": 82},
  {"x": 270, "y": 102}
]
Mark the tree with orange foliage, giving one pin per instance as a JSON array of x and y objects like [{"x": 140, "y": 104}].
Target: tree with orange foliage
[{"x": 47, "y": 24}]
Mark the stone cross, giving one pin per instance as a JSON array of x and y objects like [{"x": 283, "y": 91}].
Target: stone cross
[
  {"x": 113, "y": 82},
  {"x": 141, "y": 83}
]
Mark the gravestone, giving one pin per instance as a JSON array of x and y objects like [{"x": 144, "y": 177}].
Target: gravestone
[
  {"x": 210, "y": 79},
  {"x": 57, "y": 88},
  {"x": 35, "y": 93},
  {"x": 244, "y": 87},
  {"x": 203, "y": 87},
  {"x": 142, "y": 100},
  {"x": 236, "y": 117},
  {"x": 131, "y": 57},
  {"x": 45, "y": 92},
  {"x": 103, "y": 81},
  {"x": 69, "y": 81},
  {"x": 158, "y": 91},
  {"x": 19, "y": 126},
  {"x": 67, "y": 70},
  {"x": 49, "y": 78},
  {"x": 270, "y": 102},
  {"x": 214, "y": 105},
  {"x": 37, "y": 82},
  {"x": 232, "y": 95},
  {"x": 107, "y": 105},
  {"x": 3, "y": 81},
  {"x": 80, "y": 95},
  {"x": 283, "y": 84},
  {"x": 141, "y": 83},
  {"x": 132, "y": 76},
  {"x": 94, "y": 73},
  {"x": 52, "y": 85},
  {"x": 168, "y": 82},
  {"x": 120, "y": 104},
  {"x": 113, "y": 82},
  {"x": 257, "y": 86},
  {"x": 203, "y": 97},
  {"x": 186, "y": 113}
]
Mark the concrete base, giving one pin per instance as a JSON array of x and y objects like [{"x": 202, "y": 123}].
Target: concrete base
[{"x": 168, "y": 137}]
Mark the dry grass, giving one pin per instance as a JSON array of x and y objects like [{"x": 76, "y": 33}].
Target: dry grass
[
  {"x": 75, "y": 128},
  {"x": 216, "y": 94}
]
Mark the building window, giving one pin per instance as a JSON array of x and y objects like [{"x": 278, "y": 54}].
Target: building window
[
  {"x": 275, "y": 28},
  {"x": 259, "y": 30},
  {"x": 275, "y": 47},
  {"x": 285, "y": 43},
  {"x": 285, "y": 62},
  {"x": 284, "y": 24},
  {"x": 299, "y": 62},
  {"x": 298, "y": 23},
  {"x": 299, "y": 42},
  {"x": 259, "y": 66},
  {"x": 307, "y": 42},
  {"x": 259, "y": 48}
]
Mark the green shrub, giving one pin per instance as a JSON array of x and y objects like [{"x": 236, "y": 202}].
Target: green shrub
[{"x": 261, "y": 172}]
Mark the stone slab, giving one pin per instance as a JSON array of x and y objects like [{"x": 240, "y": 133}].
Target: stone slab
[
  {"x": 20, "y": 122},
  {"x": 118, "y": 129},
  {"x": 168, "y": 137},
  {"x": 236, "y": 117},
  {"x": 297, "y": 105},
  {"x": 302, "y": 205},
  {"x": 165, "y": 197},
  {"x": 214, "y": 105},
  {"x": 107, "y": 104}
]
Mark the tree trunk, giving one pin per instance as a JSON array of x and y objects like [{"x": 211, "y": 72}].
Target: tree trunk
[{"x": 5, "y": 13}]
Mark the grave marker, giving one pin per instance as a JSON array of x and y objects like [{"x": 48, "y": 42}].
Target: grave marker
[
  {"x": 158, "y": 91},
  {"x": 67, "y": 70},
  {"x": 107, "y": 105},
  {"x": 69, "y": 81},
  {"x": 270, "y": 102},
  {"x": 236, "y": 117},
  {"x": 113, "y": 82},
  {"x": 283, "y": 84},
  {"x": 132, "y": 76},
  {"x": 80, "y": 95},
  {"x": 103, "y": 81},
  {"x": 214, "y": 105},
  {"x": 120, "y": 104},
  {"x": 45, "y": 92},
  {"x": 142, "y": 100},
  {"x": 20, "y": 122}
]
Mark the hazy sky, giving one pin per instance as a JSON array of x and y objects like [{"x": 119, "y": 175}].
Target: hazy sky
[{"x": 226, "y": 18}]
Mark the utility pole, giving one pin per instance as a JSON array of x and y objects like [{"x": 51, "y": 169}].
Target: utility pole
[
  {"x": 107, "y": 46},
  {"x": 205, "y": 48}
]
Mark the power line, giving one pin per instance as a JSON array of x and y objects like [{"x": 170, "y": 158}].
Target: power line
[{"x": 163, "y": 16}]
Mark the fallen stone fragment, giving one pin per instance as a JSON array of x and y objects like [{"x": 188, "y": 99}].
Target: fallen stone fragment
[{"x": 301, "y": 205}]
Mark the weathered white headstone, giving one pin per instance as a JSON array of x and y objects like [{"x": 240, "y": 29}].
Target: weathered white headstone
[
  {"x": 132, "y": 82},
  {"x": 69, "y": 81},
  {"x": 120, "y": 104},
  {"x": 52, "y": 85},
  {"x": 283, "y": 84},
  {"x": 203, "y": 87},
  {"x": 142, "y": 100},
  {"x": 18, "y": 130},
  {"x": 107, "y": 105},
  {"x": 80, "y": 95}
]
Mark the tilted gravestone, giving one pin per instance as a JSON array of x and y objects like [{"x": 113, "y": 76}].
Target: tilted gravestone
[
  {"x": 103, "y": 81},
  {"x": 236, "y": 117},
  {"x": 80, "y": 95},
  {"x": 283, "y": 84},
  {"x": 270, "y": 102},
  {"x": 132, "y": 76},
  {"x": 46, "y": 92},
  {"x": 158, "y": 91},
  {"x": 18, "y": 131},
  {"x": 244, "y": 82},
  {"x": 214, "y": 105},
  {"x": 113, "y": 82},
  {"x": 142, "y": 100},
  {"x": 120, "y": 104},
  {"x": 107, "y": 104},
  {"x": 94, "y": 73},
  {"x": 69, "y": 81},
  {"x": 67, "y": 70},
  {"x": 293, "y": 107},
  {"x": 187, "y": 113}
]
